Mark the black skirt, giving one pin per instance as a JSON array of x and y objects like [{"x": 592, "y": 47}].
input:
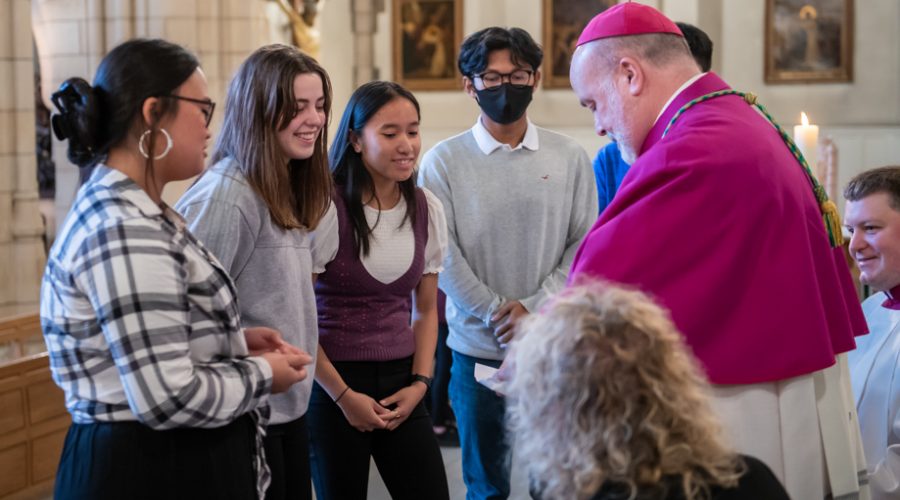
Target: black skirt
[{"x": 125, "y": 460}]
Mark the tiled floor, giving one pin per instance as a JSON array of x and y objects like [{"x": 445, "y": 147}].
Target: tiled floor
[{"x": 453, "y": 464}]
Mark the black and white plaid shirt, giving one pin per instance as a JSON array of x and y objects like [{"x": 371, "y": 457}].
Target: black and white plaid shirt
[{"x": 141, "y": 322}]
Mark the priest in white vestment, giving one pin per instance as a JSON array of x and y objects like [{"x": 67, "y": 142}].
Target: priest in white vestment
[{"x": 872, "y": 216}]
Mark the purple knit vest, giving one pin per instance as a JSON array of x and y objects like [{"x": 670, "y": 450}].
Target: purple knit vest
[{"x": 361, "y": 318}]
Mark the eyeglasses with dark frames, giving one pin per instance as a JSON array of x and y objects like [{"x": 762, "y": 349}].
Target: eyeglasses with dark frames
[
  {"x": 208, "y": 106},
  {"x": 493, "y": 79}
]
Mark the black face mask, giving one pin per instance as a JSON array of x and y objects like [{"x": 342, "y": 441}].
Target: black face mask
[{"x": 506, "y": 103}]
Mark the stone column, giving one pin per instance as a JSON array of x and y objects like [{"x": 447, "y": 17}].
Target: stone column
[
  {"x": 364, "y": 27},
  {"x": 704, "y": 14},
  {"x": 22, "y": 255},
  {"x": 73, "y": 36},
  {"x": 222, "y": 33},
  {"x": 70, "y": 40}
]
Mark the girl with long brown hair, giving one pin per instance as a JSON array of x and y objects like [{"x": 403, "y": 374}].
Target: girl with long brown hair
[{"x": 268, "y": 188}]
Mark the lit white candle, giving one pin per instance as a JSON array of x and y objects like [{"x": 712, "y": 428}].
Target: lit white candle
[{"x": 806, "y": 137}]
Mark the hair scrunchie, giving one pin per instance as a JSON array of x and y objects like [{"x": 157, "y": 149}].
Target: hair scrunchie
[{"x": 76, "y": 119}]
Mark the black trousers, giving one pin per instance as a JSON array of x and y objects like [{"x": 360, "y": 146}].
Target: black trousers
[
  {"x": 408, "y": 458},
  {"x": 130, "y": 460},
  {"x": 287, "y": 453}
]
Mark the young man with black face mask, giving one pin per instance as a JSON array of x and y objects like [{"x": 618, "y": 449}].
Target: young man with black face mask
[{"x": 518, "y": 200}]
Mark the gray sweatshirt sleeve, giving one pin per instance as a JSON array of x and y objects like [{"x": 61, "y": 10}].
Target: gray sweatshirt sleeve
[
  {"x": 584, "y": 214},
  {"x": 457, "y": 280},
  {"x": 224, "y": 229}
]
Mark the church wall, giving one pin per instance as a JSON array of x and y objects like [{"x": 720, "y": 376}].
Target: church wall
[
  {"x": 862, "y": 116},
  {"x": 873, "y": 98},
  {"x": 20, "y": 222},
  {"x": 72, "y": 36}
]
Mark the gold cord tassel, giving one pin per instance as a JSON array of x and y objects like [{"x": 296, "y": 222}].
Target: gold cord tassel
[{"x": 832, "y": 222}]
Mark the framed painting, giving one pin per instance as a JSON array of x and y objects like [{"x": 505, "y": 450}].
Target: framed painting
[
  {"x": 426, "y": 39},
  {"x": 563, "y": 21},
  {"x": 809, "y": 41}
]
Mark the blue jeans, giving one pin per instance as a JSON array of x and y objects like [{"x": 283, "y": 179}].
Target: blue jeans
[{"x": 480, "y": 419}]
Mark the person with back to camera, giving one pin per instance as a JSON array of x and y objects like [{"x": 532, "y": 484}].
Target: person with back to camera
[
  {"x": 165, "y": 387},
  {"x": 607, "y": 403},
  {"x": 377, "y": 304},
  {"x": 255, "y": 208}
]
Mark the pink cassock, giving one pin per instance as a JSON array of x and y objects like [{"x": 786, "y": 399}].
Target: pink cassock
[{"x": 718, "y": 222}]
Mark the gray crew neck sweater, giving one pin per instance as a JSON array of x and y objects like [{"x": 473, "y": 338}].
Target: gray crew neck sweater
[
  {"x": 515, "y": 220},
  {"x": 271, "y": 267}
]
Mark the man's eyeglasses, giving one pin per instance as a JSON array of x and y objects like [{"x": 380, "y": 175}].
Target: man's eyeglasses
[
  {"x": 493, "y": 79},
  {"x": 207, "y": 106}
]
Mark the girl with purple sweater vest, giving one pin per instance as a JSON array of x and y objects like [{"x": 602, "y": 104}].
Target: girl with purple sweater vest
[{"x": 377, "y": 305}]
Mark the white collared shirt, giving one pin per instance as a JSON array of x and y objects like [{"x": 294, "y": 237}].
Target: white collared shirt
[
  {"x": 677, "y": 92},
  {"x": 392, "y": 244},
  {"x": 487, "y": 144}
]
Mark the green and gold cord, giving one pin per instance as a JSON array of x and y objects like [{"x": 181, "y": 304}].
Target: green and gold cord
[{"x": 826, "y": 207}]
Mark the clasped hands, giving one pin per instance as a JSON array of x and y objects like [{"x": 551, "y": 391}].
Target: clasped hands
[
  {"x": 288, "y": 362},
  {"x": 365, "y": 414},
  {"x": 508, "y": 316},
  {"x": 510, "y": 313}
]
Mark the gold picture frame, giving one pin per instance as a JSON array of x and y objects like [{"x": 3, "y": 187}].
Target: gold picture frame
[
  {"x": 809, "y": 41},
  {"x": 563, "y": 21},
  {"x": 426, "y": 39}
]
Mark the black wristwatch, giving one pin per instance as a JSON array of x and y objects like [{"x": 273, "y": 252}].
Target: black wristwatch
[{"x": 420, "y": 378}]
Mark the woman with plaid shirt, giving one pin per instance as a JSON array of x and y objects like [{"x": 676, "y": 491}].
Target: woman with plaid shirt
[{"x": 165, "y": 388}]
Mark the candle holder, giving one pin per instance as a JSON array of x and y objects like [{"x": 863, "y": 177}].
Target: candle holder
[{"x": 827, "y": 166}]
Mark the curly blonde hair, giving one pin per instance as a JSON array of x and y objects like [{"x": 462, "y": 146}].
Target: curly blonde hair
[{"x": 605, "y": 390}]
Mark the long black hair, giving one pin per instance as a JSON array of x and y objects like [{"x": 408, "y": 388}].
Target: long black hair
[
  {"x": 347, "y": 166},
  {"x": 96, "y": 118}
]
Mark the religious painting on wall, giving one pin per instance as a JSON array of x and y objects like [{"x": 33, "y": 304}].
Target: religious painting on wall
[
  {"x": 809, "y": 41},
  {"x": 427, "y": 35},
  {"x": 563, "y": 21}
]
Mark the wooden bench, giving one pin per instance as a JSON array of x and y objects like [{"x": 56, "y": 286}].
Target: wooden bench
[
  {"x": 33, "y": 416},
  {"x": 20, "y": 337}
]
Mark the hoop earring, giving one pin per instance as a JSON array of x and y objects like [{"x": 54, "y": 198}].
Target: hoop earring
[{"x": 165, "y": 151}]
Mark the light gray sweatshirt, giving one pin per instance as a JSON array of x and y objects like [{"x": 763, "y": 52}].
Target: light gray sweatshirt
[
  {"x": 515, "y": 219},
  {"x": 272, "y": 268}
]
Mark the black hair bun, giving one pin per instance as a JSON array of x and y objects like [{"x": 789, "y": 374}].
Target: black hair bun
[{"x": 76, "y": 121}]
